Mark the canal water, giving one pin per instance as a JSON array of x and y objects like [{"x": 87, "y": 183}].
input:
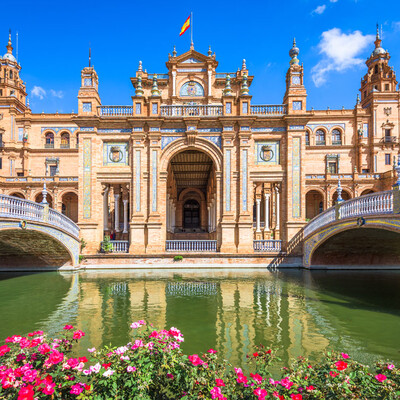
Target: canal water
[{"x": 296, "y": 312}]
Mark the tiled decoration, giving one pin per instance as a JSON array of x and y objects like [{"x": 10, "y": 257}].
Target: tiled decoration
[
  {"x": 115, "y": 153},
  {"x": 166, "y": 140},
  {"x": 269, "y": 129},
  {"x": 296, "y": 80},
  {"x": 228, "y": 108},
  {"x": 228, "y": 181},
  {"x": 86, "y": 107},
  {"x": 57, "y": 129},
  {"x": 191, "y": 89},
  {"x": 137, "y": 179},
  {"x": 214, "y": 139},
  {"x": 296, "y": 178},
  {"x": 365, "y": 130},
  {"x": 154, "y": 180},
  {"x": 244, "y": 179},
  {"x": 328, "y": 127},
  {"x": 87, "y": 82},
  {"x": 245, "y": 108},
  {"x": 297, "y": 105},
  {"x": 87, "y": 177},
  {"x": 267, "y": 152}
]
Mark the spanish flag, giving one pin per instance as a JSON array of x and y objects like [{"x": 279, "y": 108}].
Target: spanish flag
[{"x": 185, "y": 26}]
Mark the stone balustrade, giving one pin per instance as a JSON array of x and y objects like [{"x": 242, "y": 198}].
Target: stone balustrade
[
  {"x": 267, "y": 245},
  {"x": 14, "y": 207},
  {"x": 191, "y": 111},
  {"x": 370, "y": 204},
  {"x": 269, "y": 110},
  {"x": 28, "y": 179},
  {"x": 115, "y": 111},
  {"x": 118, "y": 246},
  {"x": 191, "y": 245}
]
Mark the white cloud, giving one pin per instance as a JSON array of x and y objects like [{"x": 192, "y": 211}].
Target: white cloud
[
  {"x": 396, "y": 26},
  {"x": 333, "y": 1},
  {"x": 59, "y": 94},
  {"x": 38, "y": 91},
  {"x": 339, "y": 52},
  {"x": 319, "y": 10}
]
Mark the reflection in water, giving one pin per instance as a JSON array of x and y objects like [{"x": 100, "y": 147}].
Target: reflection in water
[{"x": 295, "y": 312}]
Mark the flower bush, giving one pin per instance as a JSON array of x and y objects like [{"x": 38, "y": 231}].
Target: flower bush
[{"x": 152, "y": 366}]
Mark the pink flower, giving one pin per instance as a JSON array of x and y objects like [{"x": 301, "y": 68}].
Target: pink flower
[
  {"x": 170, "y": 376},
  {"x": 49, "y": 388},
  {"x": 73, "y": 362},
  {"x": 345, "y": 355},
  {"x": 258, "y": 378},
  {"x": 95, "y": 368},
  {"x": 92, "y": 350},
  {"x": 380, "y": 377},
  {"x": 135, "y": 325},
  {"x": 211, "y": 351},
  {"x": 108, "y": 373},
  {"x": 68, "y": 327},
  {"x": 129, "y": 368},
  {"x": 55, "y": 357},
  {"x": 390, "y": 366},
  {"x": 44, "y": 348},
  {"x": 216, "y": 393},
  {"x": 78, "y": 334},
  {"x": 219, "y": 382},
  {"x": 260, "y": 393},
  {"x": 285, "y": 382},
  {"x": 238, "y": 370},
  {"x": 195, "y": 360},
  {"x": 76, "y": 389},
  {"x": 138, "y": 343},
  {"x": 141, "y": 322},
  {"x": 241, "y": 378}
]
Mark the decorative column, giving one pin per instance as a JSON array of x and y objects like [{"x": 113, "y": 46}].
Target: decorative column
[
  {"x": 267, "y": 199},
  {"x": 167, "y": 213},
  {"x": 116, "y": 212},
  {"x": 258, "y": 204},
  {"x": 173, "y": 83},
  {"x": 209, "y": 82},
  {"x": 125, "y": 201},
  {"x": 277, "y": 208},
  {"x": 105, "y": 208}
]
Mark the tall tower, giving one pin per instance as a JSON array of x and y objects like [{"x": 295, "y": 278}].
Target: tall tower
[
  {"x": 88, "y": 96},
  {"x": 12, "y": 89}
]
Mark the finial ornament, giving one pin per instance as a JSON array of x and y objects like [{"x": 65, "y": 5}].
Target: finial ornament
[
  {"x": 244, "y": 65},
  {"x": 139, "y": 89},
  {"x": 339, "y": 192},
  {"x": 140, "y": 68},
  {"x": 209, "y": 51},
  {"x": 191, "y": 45},
  {"x": 378, "y": 41},
  {"x": 293, "y": 53},
  {"x": 358, "y": 98},
  {"x": 244, "y": 91},
  {"x": 44, "y": 194},
  {"x": 228, "y": 89},
  {"x": 174, "y": 53},
  {"x": 154, "y": 90},
  {"x": 27, "y": 102}
]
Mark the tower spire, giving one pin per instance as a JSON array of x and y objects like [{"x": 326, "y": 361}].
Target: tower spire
[
  {"x": 9, "y": 44},
  {"x": 90, "y": 56}
]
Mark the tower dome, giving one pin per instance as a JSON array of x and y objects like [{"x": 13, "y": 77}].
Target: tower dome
[
  {"x": 293, "y": 53},
  {"x": 9, "y": 55},
  {"x": 378, "y": 49}
]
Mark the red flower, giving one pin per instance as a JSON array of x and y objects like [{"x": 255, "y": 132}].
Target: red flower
[
  {"x": 195, "y": 359},
  {"x": 87, "y": 387},
  {"x": 310, "y": 388},
  {"x": 296, "y": 396},
  {"x": 219, "y": 382},
  {"x": 4, "y": 349},
  {"x": 269, "y": 351},
  {"x": 26, "y": 393},
  {"x": 83, "y": 359},
  {"x": 78, "y": 334},
  {"x": 44, "y": 348},
  {"x": 68, "y": 327},
  {"x": 242, "y": 378},
  {"x": 212, "y": 351},
  {"x": 258, "y": 378},
  {"x": 333, "y": 374},
  {"x": 106, "y": 366},
  {"x": 255, "y": 354},
  {"x": 55, "y": 357},
  {"x": 341, "y": 365}
]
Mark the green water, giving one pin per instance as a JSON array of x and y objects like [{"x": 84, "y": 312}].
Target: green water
[{"x": 295, "y": 312}]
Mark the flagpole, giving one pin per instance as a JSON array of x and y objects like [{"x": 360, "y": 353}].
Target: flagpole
[{"x": 191, "y": 30}]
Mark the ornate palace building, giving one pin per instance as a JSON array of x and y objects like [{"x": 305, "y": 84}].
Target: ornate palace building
[{"x": 192, "y": 164}]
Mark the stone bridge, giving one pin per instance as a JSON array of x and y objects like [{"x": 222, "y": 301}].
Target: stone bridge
[
  {"x": 34, "y": 235},
  {"x": 362, "y": 231}
]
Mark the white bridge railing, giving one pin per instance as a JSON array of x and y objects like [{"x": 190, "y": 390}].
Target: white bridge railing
[
  {"x": 14, "y": 207},
  {"x": 191, "y": 245},
  {"x": 267, "y": 245},
  {"x": 370, "y": 204}
]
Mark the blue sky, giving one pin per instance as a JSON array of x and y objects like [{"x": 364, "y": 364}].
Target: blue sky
[{"x": 334, "y": 36}]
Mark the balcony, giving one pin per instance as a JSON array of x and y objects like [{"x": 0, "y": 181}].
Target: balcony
[
  {"x": 49, "y": 145},
  {"x": 320, "y": 143},
  {"x": 64, "y": 146},
  {"x": 191, "y": 111},
  {"x": 267, "y": 245},
  {"x": 336, "y": 142},
  {"x": 389, "y": 139},
  {"x": 269, "y": 110},
  {"x": 194, "y": 246}
]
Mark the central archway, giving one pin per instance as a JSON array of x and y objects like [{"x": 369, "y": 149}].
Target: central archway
[{"x": 191, "y": 196}]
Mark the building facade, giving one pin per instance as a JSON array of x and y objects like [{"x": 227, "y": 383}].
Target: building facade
[{"x": 191, "y": 164}]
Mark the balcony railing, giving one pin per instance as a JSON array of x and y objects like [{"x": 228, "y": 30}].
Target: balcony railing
[
  {"x": 267, "y": 245},
  {"x": 13, "y": 207},
  {"x": 191, "y": 245},
  {"x": 49, "y": 145},
  {"x": 191, "y": 111},
  {"x": 118, "y": 246},
  {"x": 64, "y": 146},
  {"x": 320, "y": 142},
  {"x": 115, "y": 111},
  {"x": 336, "y": 142},
  {"x": 269, "y": 110},
  {"x": 389, "y": 139}
]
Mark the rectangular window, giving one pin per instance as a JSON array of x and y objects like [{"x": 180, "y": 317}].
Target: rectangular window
[
  {"x": 365, "y": 130},
  {"x": 386, "y": 86},
  {"x": 365, "y": 171},
  {"x": 11, "y": 167},
  {"x": 245, "y": 108},
  {"x": 154, "y": 109},
  {"x": 365, "y": 94},
  {"x": 1, "y": 92},
  {"x": 1, "y": 163},
  {"x": 388, "y": 132},
  {"x": 229, "y": 108},
  {"x": 138, "y": 108},
  {"x": 53, "y": 170},
  {"x": 387, "y": 159},
  {"x": 20, "y": 174},
  {"x": 332, "y": 168}
]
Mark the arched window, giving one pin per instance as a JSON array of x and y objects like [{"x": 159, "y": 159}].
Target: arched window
[
  {"x": 11, "y": 75},
  {"x": 49, "y": 140},
  {"x": 320, "y": 137},
  {"x": 307, "y": 138},
  {"x": 376, "y": 69},
  {"x": 336, "y": 137},
  {"x": 65, "y": 140}
]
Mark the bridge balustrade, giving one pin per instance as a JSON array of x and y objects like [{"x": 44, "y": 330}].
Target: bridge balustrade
[
  {"x": 370, "y": 204},
  {"x": 267, "y": 245},
  {"x": 14, "y": 207},
  {"x": 191, "y": 245}
]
